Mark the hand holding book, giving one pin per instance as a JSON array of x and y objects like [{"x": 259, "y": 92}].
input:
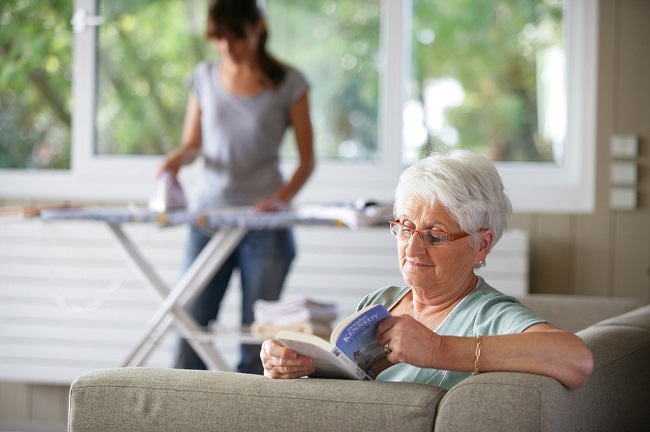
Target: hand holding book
[{"x": 353, "y": 351}]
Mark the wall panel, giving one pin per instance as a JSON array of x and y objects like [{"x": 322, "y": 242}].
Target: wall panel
[
  {"x": 593, "y": 232},
  {"x": 632, "y": 241}
]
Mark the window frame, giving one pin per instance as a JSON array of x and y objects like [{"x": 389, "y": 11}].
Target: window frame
[{"x": 533, "y": 187}]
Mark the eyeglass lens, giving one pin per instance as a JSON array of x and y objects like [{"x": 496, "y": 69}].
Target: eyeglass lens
[{"x": 428, "y": 237}]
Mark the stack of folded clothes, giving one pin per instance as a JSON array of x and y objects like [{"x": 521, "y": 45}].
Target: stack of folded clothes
[{"x": 299, "y": 314}]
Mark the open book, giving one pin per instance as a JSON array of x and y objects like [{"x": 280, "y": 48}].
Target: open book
[{"x": 353, "y": 351}]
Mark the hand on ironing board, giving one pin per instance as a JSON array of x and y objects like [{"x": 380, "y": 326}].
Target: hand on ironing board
[{"x": 271, "y": 205}]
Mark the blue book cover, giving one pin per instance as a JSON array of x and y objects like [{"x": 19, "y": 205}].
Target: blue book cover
[{"x": 355, "y": 337}]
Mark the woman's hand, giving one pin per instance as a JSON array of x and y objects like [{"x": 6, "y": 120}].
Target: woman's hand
[
  {"x": 281, "y": 362},
  {"x": 271, "y": 205},
  {"x": 409, "y": 341},
  {"x": 172, "y": 164}
]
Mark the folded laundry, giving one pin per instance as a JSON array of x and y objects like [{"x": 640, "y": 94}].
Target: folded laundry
[
  {"x": 294, "y": 310},
  {"x": 316, "y": 328}
]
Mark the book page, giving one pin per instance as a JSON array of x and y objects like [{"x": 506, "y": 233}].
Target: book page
[{"x": 329, "y": 361}]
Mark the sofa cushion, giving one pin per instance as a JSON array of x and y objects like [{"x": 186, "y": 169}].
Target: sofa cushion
[
  {"x": 149, "y": 399},
  {"x": 639, "y": 317}
]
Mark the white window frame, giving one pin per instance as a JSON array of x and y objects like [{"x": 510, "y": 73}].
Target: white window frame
[
  {"x": 533, "y": 187},
  {"x": 570, "y": 188}
]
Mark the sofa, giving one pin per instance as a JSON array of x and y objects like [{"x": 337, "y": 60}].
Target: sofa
[{"x": 615, "y": 398}]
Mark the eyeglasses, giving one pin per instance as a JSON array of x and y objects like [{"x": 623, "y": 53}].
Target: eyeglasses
[{"x": 432, "y": 238}]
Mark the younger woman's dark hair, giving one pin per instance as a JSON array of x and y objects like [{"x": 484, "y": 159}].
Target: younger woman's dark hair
[{"x": 232, "y": 16}]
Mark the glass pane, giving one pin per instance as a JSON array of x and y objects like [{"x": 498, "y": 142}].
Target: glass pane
[
  {"x": 147, "y": 50},
  {"x": 487, "y": 76},
  {"x": 35, "y": 84},
  {"x": 143, "y": 71},
  {"x": 336, "y": 45}
]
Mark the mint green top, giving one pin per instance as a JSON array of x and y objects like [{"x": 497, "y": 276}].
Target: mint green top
[{"x": 485, "y": 311}]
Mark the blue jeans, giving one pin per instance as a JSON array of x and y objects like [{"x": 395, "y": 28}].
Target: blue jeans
[{"x": 263, "y": 258}]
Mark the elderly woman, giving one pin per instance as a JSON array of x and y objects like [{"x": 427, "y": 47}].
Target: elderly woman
[{"x": 448, "y": 323}]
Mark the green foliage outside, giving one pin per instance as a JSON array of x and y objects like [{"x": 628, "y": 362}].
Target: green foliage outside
[
  {"x": 35, "y": 83},
  {"x": 336, "y": 44},
  {"x": 490, "y": 46},
  {"x": 147, "y": 51}
]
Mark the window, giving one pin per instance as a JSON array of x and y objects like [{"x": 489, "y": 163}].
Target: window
[
  {"x": 375, "y": 67},
  {"x": 488, "y": 78},
  {"x": 338, "y": 50},
  {"x": 146, "y": 51},
  {"x": 491, "y": 78},
  {"x": 142, "y": 71}
]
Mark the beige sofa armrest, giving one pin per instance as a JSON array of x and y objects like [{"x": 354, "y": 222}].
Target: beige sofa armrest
[
  {"x": 503, "y": 401},
  {"x": 614, "y": 398},
  {"x": 160, "y": 400}
]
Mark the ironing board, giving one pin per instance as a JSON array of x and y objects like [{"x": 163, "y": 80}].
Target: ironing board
[{"x": 231, "y": 225}]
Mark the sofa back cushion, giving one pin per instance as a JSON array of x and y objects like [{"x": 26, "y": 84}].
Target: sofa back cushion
[
  {"x": 160, "y": 400},
  {"x": 574, "y": 313}
]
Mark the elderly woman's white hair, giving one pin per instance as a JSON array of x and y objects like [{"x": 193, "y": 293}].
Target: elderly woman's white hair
[{"x": 466, "y": 184}]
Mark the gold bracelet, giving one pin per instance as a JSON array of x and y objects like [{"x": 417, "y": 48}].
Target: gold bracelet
[{"x": 478, "y": 354}]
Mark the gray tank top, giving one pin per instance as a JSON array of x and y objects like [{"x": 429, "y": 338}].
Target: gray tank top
[{"x": 241, "y": 138}]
